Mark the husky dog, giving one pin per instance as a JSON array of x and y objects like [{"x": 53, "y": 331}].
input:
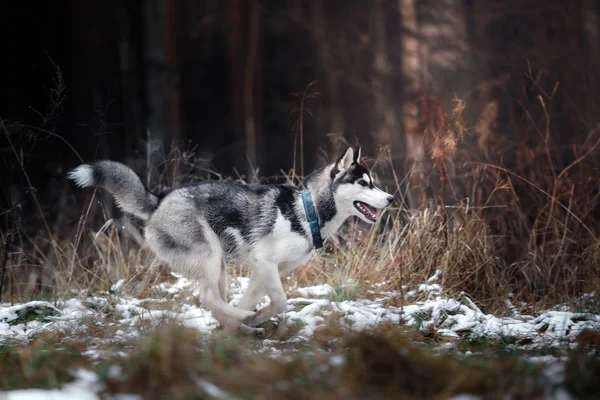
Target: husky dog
[{"x": 270, "y": 228}]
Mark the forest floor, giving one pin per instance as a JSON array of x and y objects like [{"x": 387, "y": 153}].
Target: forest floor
[{"x": 333, "y": 342}]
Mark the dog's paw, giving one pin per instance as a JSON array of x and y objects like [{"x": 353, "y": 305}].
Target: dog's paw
[
  {"x": 258, "y": 333},
  {"x": 247, "y": 315},
  {"x": 255, "y": 321},
  {"x": 252, "y": 320}
]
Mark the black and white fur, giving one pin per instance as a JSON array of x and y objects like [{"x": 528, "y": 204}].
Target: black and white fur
[{"x": 196, "y": 228}]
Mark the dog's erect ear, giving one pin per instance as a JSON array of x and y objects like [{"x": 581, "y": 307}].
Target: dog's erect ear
[
  {"x": 357, "y": 155},
  {"x": 345, "y": 161}
]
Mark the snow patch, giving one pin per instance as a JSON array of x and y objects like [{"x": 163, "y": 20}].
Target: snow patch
[
  {"x": 84, "y": 387},
  {"x": 315, "y": 291}
]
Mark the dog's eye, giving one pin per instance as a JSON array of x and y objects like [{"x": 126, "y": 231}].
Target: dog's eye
[{"x": 362, "y": 182}]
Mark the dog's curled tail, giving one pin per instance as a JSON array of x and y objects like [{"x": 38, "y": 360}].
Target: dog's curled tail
[{"x": 126, "y": 187}]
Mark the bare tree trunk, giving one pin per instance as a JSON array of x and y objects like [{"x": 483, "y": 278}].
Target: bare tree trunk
[
  {"x": 411, "y": 126},
  {"x": 250, "y": 88},
  {"x": 386, "y": 118},
  {"x": 451, "y": 66},
  {"x": 444, "y": 29},
  {"x": 129, "y": 41},
  {"x": 156, "y": 85},
  {"x": 243, "y": 47},
  {"x": 234, "y": 37},
  {"x": 332, "y": 79},
  {"x": 591, "y": 26},
  {"x": 172, "y": 62}
]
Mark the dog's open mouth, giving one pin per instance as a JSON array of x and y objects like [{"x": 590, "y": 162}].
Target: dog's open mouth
[{"x": 371, "y": 213}]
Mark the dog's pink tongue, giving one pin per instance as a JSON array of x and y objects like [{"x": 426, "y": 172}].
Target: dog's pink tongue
[
  {"x": 376, "y": 215},
  {"x": 374, "y": 212}
]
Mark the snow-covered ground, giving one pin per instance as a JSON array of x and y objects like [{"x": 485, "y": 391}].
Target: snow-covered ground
[
  {"x": 84, "y": 387},
  {"x": 308, "y": 309}
]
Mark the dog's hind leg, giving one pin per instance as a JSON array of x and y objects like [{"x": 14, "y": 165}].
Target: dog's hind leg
[
  {"x": 266, "y": 278},
  {"x": 257, "y": 289},
  {"x": 205, "y": 266},
  {"x": 226, "y": 315},
  {"x": 245, "y": 329},
  {"x": 198, "y": 255},
  {"x": 253, "y": 294},
  {"x": 223, "y": 281}
]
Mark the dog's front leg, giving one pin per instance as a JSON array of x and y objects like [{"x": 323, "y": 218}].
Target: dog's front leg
[
  {"x": 288, "y": 266},
  {"x": 265, "y": 279},
  {"x": 253, "y": 294}
]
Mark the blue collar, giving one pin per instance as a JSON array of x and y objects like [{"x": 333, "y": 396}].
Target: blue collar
[{"x": 313, "y": 219}]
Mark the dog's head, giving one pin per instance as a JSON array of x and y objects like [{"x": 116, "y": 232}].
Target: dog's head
[{"x": 353, "y": 189}]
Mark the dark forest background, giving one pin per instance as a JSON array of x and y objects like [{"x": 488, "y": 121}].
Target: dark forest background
[
  {"x": 228, "y": 75},
  {"x": 486, "y": 103}
]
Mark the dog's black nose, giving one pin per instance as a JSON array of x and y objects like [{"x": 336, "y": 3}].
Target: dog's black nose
[{"x": 390, "y": 200}]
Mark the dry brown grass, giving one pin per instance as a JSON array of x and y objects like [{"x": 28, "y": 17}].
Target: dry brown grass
[
  {"x": 505, "y": 219},
  {"x": 411, "y": 249},
  {"x": 175, "y": 362},
  {"x": 172, "y": 361},
  {"x": 43, "y": 363},
  {"x": 507, "y": 213}
]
